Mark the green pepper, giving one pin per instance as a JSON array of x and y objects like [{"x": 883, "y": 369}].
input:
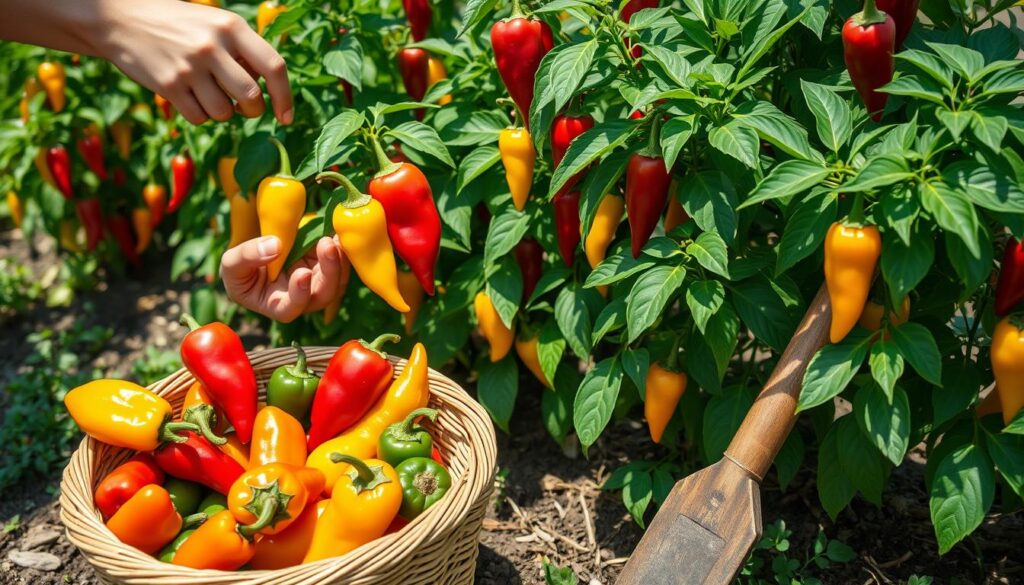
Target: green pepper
[
  {"x": 291, "y": 388},
  {"x": 405, "y": 440},
  {"x": 184, "y": 494},
  {"x": 203, "y": 305},
  {"x": 214, "y": 502},
  {"x": 424, "y": 482},
  {"x": 166, "y": 554}
]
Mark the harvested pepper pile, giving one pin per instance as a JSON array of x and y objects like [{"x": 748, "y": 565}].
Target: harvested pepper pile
[{"x": 326, "y": 465}]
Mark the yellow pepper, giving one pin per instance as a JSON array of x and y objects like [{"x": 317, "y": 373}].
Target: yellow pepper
[
  {"x": 664, "y": 389},
  {"x": 123, "y": 414},
  {"x": 851, "y": 253},
  {"x": 43, "y": 169},
  {"x": 267, "y": 13},
  {"x": 51, "y": 76},
  {"x": 288, "y": 547},
  {"x": 245, "y": 222},
  {"x": 871, "y": 318},
  {"x": 436, "y": 72},
  {"x": 142, "y": 221},
  {"x": 527, "y": 350},
  {"x": 234, "y": 449},
  {"x": 363, "y": 234},
  {"x": 1007, "y": 355},
  {"x": 364, "y": 501},
  {"x": 280, "y": 203},
  {"x": 493, "y": 329},
  {"x": 306, "y": 218},
  {"x": 226, "y": 174},
  {"x": 518, "y": 156},
  {"x": 14, "y": 206},
  {"x": 408, "y": 392},
  {"x": 31, "y": 89},
  {"x": 413, "y": 293},
  {"x": 277, "y": 437},
  {"x": 121, "y": 132},
  {"x": 69, "y": 236}
]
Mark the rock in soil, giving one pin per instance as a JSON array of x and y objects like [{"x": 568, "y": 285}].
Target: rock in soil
[{"x": 35, "y": 560}]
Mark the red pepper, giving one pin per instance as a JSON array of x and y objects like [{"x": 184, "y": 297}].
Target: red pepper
[
  {"x": 59, "y": 162},
  {"x": 563, "y": 130},
  {"x": 215, "y": 356},
  {"x": 1010, "y": 289},
  {"x": 198, "y": 460},
  {"x": 357, "y": 375},
  {"x": 414, "y": 225},
  {"x": 519, "y": 45},
  {"x": 183, "y": 172},
  {"x": 91, "y": 149},
  {"x": 90, "y": 214},
  {"x": 634, "y": 6},
  {"x": 530, "y": 257},
  {"x": 414, "y": 65},
  {"x": 419, "y": 14},
  {"x": 120, "y": 177},
  {"x": 647, "y": 183},
  {"x": 869, "y": 39},
  {"x": 124, "y": 481},
  {"x": 567, "y": 224},
  {"x": 155, "y": 197},
  {"x": 903, "y": 13},
  {"x": 121, "y": 229}
]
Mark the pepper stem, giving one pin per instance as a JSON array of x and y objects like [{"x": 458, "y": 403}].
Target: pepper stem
[
  {"x": 652, "y": 149},
  {"x": 189, "y": 321},
  {"x": 298, "y": 369},
  {"x": 856, "y": 216},
  {"x": 517, "y": 9},
  {"x": 869, "y": 15},
  {"x": 204, "y": 417},
  {"x": 193, "y": 520},
  {"x": 378, "y": 343},
  {"x": 267, "y": 513},
  {"x": 405, "y": 430},
  {"x": 169, "y": 431},
  {"x": 355, "y": 198},
  {"x": 286, "y": 164},
  {"x": 672, "y": 362},
  {"x": 387, "y": 166}
]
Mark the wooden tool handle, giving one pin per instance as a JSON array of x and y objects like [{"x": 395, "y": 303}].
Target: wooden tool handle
[{"x": 770, "y": 419}]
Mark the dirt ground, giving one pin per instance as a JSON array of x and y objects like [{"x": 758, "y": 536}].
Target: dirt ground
[{"x": 551, "y": 506}]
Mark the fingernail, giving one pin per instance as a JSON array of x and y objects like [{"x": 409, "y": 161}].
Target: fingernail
[
  {"x": 268, "y": 246},
  {"x": 306, "y": 283},
  {"x": 286, "y": 117}
]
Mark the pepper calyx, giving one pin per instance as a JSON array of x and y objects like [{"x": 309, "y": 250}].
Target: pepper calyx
[
  {"x": 364, "y": 477},
  {"x": 205, "y": 418},
  {"x": 407, "y": 429},
  {"x": 269, "y": 504}
]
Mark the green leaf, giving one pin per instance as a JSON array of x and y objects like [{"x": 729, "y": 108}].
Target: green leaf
[
  {"x": 568, "y": 69},
  {"x": 474, "y": 13},
  {"x": 345, "y": 60},
  {"x": 257, "y": 158},
  {"x": 710, "y": 199},
  {"x": 635, "y": 363},
  {"x": 880, "y": 171},
  {"x": 722, "y": 418},
  {"x": 497, "y": 388},
  {"x": 806, "y": 229},
  {"x": 929, "y": 64},
  {"x": 831, "y": 114},
  {"x": 637, "y": 493},
  {"x": 955, "y": 121},
  {"x": 422, "y": 138},
  {"x": 505, "y": 288},
  {"x": 1005, "y": 82},
  {"x": 737, "y": 141},
  {"x": 673, "y": 63},
  {"x": 190, "y": 254},
  {"x": 616, "y": 267},
  {"x": 916, "y": 344},
  {"x": 961, "y": 493},
  {"x": 862, "y": 463},
  {"x": 915, "y": 87},
  {"x": 574, "y": 320},
  {"x": 589, "y": 146},
  {"x": 704, "y": 298},
  {"x": 835, "y": 489},
  {"x": 505, "y": 231},
  {"x": 900, "y": 208},
  {"x": 556, "y": 404},
  {"x": 764, "y": 311},
  {"x": 550, "y": 348},
  {"x": 985, "y": 187},
  {"x": 551, "y": 279},
  {"x": 952, "y": 211},
  {"x": 886, "y": 425},
  {"x": 711, "y": 253},
  {"x": 967, "y": 62},
  {"x": 903, "y": 267},
  {"x": 778, "y": 128},
  {"x": 649, "y": 296},
  {"x": 788, "y": 178},
  {"x": 990, "y": 130},
  {"x": 763, "y": 44},
  {"x": 475, "y": 164},
  {"x": 612, "y": 317},
  {"x": 790, "y": 457},
  {"x": 973, "y": 271},
  {"x": 832, "y": 369},
  {"x": 886, "y": 365},
  {"x": 554, "y": 575},
  {"x": 721, "y": 335},
  {"x": 1007, "y": 452},
  {"x": 674, "y": 135},
  {"x": 961, "y": 383},
  {"x": 595, "y": 400},
  {"x": 333, "y": 134}
]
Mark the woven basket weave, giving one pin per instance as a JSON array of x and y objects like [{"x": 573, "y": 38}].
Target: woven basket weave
[{"x": 437, "y": 548}]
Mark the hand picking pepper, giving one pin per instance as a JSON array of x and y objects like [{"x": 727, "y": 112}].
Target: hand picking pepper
[
  {"x": 280, "y": 203},
  {"x": 90, "y": 214},
  {"x": 412, "y": 291},
  {"x": 518, "y": 157},
  {"x": 220, "y": 543},
  {"x": 267, "y": 13},
  {"x": 278, "y": 437},
  {"x": 665, "y": 386},
  {"x": 183, "y": 175},
  {"x": 407, "y": 393},
  {"x": 121, "y": 229},
  {"x": 869, "y": 40},
  {"x": 530, "y": 258},
  {"x": 90, "y": 147},
  {"x": 155, "y": 197},
  {"x": 272, "y": 496},
  {"x": 1007, "y": 355},
  {"x": 414, "y": 225},
  {"x": 142, "y": 223},
  {"x": 564, "y": 129},
  {"x": 851, "y": 253},
  {"x": 58, "y": 162},
  {"x": 147, "y": 521},
  {"x": 124, "y": 414},
  {"x": 362, "y": 232},
  {"x": 519, "y": 45},
  {"x": 647, "y": 183},
  {"x": 567, "y": 224},
  {"x": 1010, "y": 287},
  {"x": 288, "y": 547},
  {"x": 424, "y": 482},
  {"x": 526, "y": 348},
  {"x": 197, "y": 459},
  {"x": 125, "y": 481},
  {"x": 903, "y": 13},
  {"x": 406, "y": 439},
  {"x": 414, "y": 66},
  {"x": 291, "y": 388},
  {"x": 54, "y": 81},
  {"x": 419, "y": 14},
  {"x": 364, "y": 501},
  {"x": 498, "y": 336},
  {"x": 185, "y": 495},
  {"x": 215, "y": 356},
  {"x": 358, "y": 373}
]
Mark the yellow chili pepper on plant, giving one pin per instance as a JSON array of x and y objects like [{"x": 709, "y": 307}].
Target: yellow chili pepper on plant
[
  {"x": 871, "y": 318},
  {"x": 517, "y": 154},
  {"x": 413, "y": 293},
  {"x": 121, "y": 132},
  {"x": 267, "y": 13},
  {"x": 15, "y": 208},
  {"x": 280, "y": 203},
  {"x": 31, "y": 89},
  {"x": 527, "y": 350},
  {"x": 54, "y": 81},
  {"x": 602, "y": 231},
  {"x": 436, "y": 72},
  {"x": 244, "y": 220},
  {"x": 665, "y": 386},
  {"x": 1007, "y": 355},
  {"x": 226, "y": 175},
  {"x": 851, "y": 254},
  {"x": 142, "y": 221},
  {"x": 498, "y": 336}
]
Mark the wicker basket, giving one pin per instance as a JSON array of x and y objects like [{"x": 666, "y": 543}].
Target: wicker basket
[{"x": 439, "y": 547}]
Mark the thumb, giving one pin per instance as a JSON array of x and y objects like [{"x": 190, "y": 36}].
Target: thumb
[{"x": 239, "y": 263}]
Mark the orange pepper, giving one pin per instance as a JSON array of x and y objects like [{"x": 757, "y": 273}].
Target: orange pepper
[
  {"x": 871, "y": 317},
  {"x": 147, "y": 521},
  {"x": 220, "y": 543},
  {"x": 413, "y": 293},
  {"x": 277, "y": 437},
  {"x": 226, "y": 174},
  {"x": 270, "y": 497},
  {"x": 527, "y": 350},
  {"x": 288, "y": 547},
  {"x": 234, "y": 449},
  {"x": 51, "y": 76}
]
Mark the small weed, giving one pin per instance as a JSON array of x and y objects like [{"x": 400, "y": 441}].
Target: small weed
[
  {"x": 19, "y": 288},
  {"x": 156, "y": 365},
  {"x": 555, "y": 575},
  {"x": 500, "y": 483},
  {"x": 919, "y": 580},
  {"x": 12, "y": 524},
  {"x": 769, "y": 562}
]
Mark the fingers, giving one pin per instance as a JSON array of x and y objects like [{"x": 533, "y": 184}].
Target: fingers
[
  {"x": 240, "y": 265},
  {"x": 285, "y": 305},
  {"x": 264, "y": 60},
  {"x": 211, "y": 97},
  {"x": 188, "y": 106},
  {"x": 326, "y": 276},
  {"x": 240, "y": 85}
]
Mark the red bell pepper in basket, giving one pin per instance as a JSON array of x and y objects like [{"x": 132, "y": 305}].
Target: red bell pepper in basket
[
  {"x": 358, "y": 373},
  {"x": 869, "y": 39},
  {"x": 124, "y": 481},
  {"x": 519, "y": 45},
  {"x": 215, "y": 356},
  {"x": 200, "y": 461},
  {"x": 1010, "y": 288}
]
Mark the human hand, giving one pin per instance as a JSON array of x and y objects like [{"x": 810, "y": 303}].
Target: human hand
[{"x": 307, "y": 286}]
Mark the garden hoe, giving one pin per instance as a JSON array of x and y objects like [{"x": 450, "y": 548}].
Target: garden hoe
[{"x": 711, "y": 519}]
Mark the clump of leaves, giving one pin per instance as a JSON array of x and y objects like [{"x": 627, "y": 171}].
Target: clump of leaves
[
  {"x": 641, "y": 483},
  {"x": 156, "y": 365},
  {"x": 555, "y": 575},
  {"x": 770, "y": 561},
  {"x": 18, "y": 287}
]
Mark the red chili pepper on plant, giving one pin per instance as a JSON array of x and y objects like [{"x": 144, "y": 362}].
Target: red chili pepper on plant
[
  {"x": 198, "y": 460},
  {"x": 530, "y": 257},
  {"x": 155, "y": 197},
  {"x": 183, "y": 173},
  {"x": 903, "y": 13},
  {"x": 1010, "y": 288},
  {"x": 90, "y": 147},
  {"x": 564, "y": 129},
  {"x": 567, "y": 224},
  {"x": 215, "y": 356},
  {"x": 519, "y": 45},
  {"x": 124, "y": 481},
  {"x": 419, "y": 14},
  {"x": 414, "y": 66},
  {"x": 358, "y": 373},
  {"x": 90, "y": 214},
  {"x": 121, "y": 229},
  {"x": 869, "y": 39},
  {"x": 647, "y": 184},
  {"x": 58, "y": 161}
]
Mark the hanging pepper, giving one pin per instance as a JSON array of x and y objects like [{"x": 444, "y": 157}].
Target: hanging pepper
[
  {"x": 414, "y": 226},
  {"x": 58, "y": 162},
  {"x": 142, "y": 222},
  {"x": 147, "y": 521},
  {"x": 406, "y": 439},
  {"x": 363, "y": 235},
  {"x": 519, "y": 45},
  {"x": 288, "y": 547},
  {"x": 267, "y": 13},
  {"x": 412, "y": 291},
  {"x": 647, "y": 182},
  {"x": 436, "y": 72},
  {"x": 124, "y": 482},
  {"x": 518, "y": 157},
  {"x": 676, "y": 215},
  {"x": 226, "y": 174},
  {"x": 498, "y": 336},
  {"x": 220, "y": 544},
  {"x": 602, "y": 231},
  {"x": 155, "y": 197},
  {"x": 185, "y": 495},
  {"x": 1010, "y": 287},
  {"x": 278, "y": 437},
  {"x": 215, "y": 356},
  {"x": 291, "y": 389},
  {"x": 197, "y": 459},
  {"x": 869, "y": 40},
  {"x": 564, "y": 130},
  {"x": 567, "y": 224},
  {"x": 530, "y": 257},
  {"x": 358, "y": 373},
  {"x": 419, "y": 14},
  {"x": 163, "y": 106},
  {"x": 364, "y": 501},
  {"x": 54, "y": 81},
  {"x": 120, "y": 228},
  {"x": 871, "y": 318},
  {"x": 31, "y": 89},
  {"x": 69, "y": 236},
  {"x": 15, "y": 208},
  {"x": 124, "y": 414},
  {"x": 407, "y": 393},
  {"x": 1007, "y": 355},
  {"x": 90, "y": 215},
  {"x": 90, "y": 147},
  {"x": 331, "y": 308},
  {"x": 183, "y": 174},
  {"x": 665, "y": 386},
  {"x": 244, "y": 220},
  {"x": 42, "y": 163},
  {"x": 851, "y": 253},
  {"x": 903, "y": 13},
  {"x": 424, "y": 482},
  {"x": 526, "y": 348},
  {"x": 273, "y": 495},
  {"x": 280, "y": 203},
  {"x": 414, "y": 67},
  {"x": 121, "y": 132}
]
